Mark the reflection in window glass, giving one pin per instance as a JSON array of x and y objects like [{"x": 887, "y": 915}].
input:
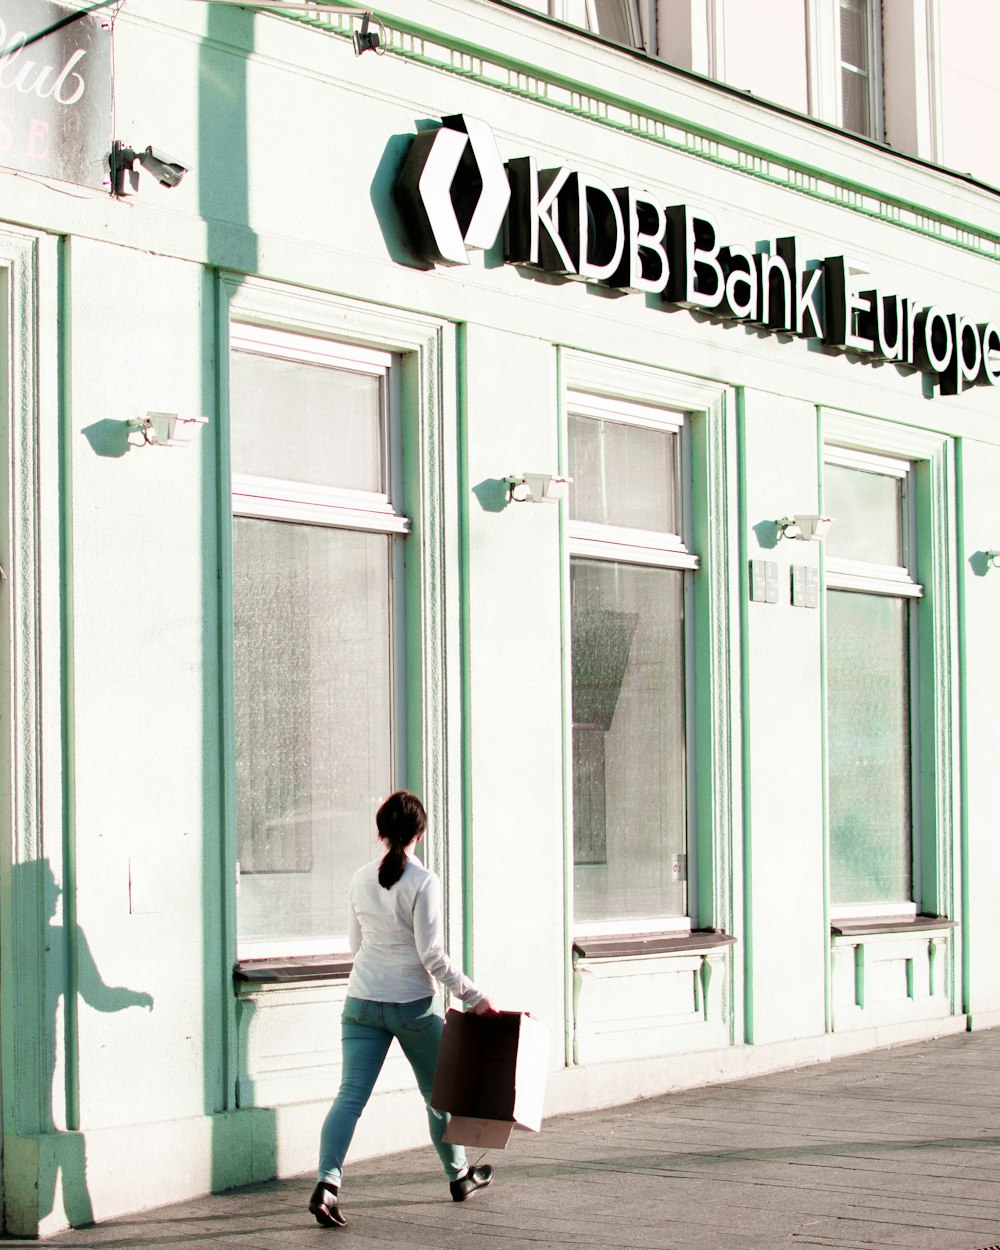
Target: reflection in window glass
[
  {"x": 622, "y": 474},
  {"x": 613, "y": 19},
  {"x": 306, "y": 423},
  {"x": 867, "y": 509},
  {"x": 629, "y": 792},
  {"x": 313, "y": 720},
  {"x": 869, "y": 748}
]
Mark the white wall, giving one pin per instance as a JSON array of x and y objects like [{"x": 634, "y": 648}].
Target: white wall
[
  {"x": 970, "y": 92},
  {"x": 766, "y": 50},
  {"x": 146, "y": 681},
  {"x": 515, "y": 687},
  {"x": 783, "y": 725}
]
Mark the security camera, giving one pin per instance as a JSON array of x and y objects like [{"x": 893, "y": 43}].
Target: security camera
[
  {"x": 164, "y": 169},
  {"x": 124, "y": 177}
]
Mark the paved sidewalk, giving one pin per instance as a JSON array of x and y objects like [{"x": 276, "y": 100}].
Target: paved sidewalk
[{"x": 895, "y": 1149}]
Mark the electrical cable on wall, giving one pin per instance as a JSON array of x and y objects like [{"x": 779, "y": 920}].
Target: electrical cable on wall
[
  {"x": 68, "y": 20},
  {"x": 364, "y": 40}
]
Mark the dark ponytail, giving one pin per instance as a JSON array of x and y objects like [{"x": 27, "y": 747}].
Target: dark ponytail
[{"x": 399, "y": 820}]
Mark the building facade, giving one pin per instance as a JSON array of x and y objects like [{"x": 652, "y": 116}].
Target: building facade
[{"x": 706, "y": 737}]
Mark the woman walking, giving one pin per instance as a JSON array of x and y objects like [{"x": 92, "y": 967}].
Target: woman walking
[{"x": 396, "y": 936}]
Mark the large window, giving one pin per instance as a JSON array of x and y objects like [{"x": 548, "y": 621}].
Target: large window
[
  {"x": 872, "y": 599},
  {"x": 316, "y": 538},
  {"x": 629, "y": 574},
  {"x": 860, "y": 40}
]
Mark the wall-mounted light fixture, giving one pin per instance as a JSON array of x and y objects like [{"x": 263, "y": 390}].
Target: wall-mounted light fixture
[
  {"x": 537, "y": 487},
  {"x": 805, "y": 526},
  {"x": 992, "y": 559},
  {"x": 125, "y": 176},
  {"x": 167, "y": 429},
  {"x": 366, "y": 40}
]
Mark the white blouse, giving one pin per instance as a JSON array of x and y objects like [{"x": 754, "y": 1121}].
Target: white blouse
[{"x": 397, "y": 939}]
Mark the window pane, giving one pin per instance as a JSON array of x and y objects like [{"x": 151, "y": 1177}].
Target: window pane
[
  {"x": 869, "y": 749},
  {"x": 854, "y": 33},
  {"x": 614, "y": 21},
  {"x": 622, "y": 474},
  {"x": 629, "y": 799},
  {"x": 867, "y": 511},
  {"x": 610, "y": 18},
  {"x": 306, "y": 423},
  {"x": 313, "y": 720},
  {"x": 855, "y": 102}
]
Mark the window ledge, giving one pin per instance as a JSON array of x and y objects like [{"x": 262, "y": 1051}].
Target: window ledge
[
  {"x": 250, "y": 972},
  {"x": 909, "y": 924},
  {"x": 649, "y": 944}
]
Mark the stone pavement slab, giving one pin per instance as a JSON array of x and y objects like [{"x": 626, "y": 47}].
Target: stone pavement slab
[{"x": 898, "y": 1149}]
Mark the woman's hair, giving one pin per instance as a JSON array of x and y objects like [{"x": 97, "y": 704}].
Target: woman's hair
[{"x": 399, "y": 820}]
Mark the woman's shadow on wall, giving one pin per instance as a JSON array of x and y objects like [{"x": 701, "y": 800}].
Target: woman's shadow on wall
[{"x": 70, "y": 975}]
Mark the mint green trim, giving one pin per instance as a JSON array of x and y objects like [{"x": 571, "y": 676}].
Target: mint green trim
[
  {"x": 426, "y": 347},
  {"x": 465, "y": 635},
  {"x": 570, "y": 995},
  {"x": 962, "y": 683},
  {"x": 937, "y": 731},
  {"x": 824, "y": 745},
  {"x": 859, "y": 976},
  {"x": 715, "y": 814},
  {"x": 714, "y": 715},
  {"x": 409, "y": 41},
  {"x": 744, "y": 604},
  {"x": 227, "y": 690},
  {"x": 31, "y": 862},
  {"x": 938, "y": 771},
  {"x": 72, "y": 988}
]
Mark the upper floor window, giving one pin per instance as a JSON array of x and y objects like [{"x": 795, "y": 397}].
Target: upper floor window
[
  {"x": 316, "y": 584},
  {"x": 630, "y": 571},
  {"x": 860, "y": 55},
  {"x": 617, "y": 20}
]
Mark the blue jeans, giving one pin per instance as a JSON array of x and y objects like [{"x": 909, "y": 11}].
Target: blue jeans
[{"x": 367, "y": 1030}]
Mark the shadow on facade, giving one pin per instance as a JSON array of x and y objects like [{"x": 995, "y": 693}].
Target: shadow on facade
[
  {"x": 244, "y": 1139},
  {"x": 70, "y": 958}
]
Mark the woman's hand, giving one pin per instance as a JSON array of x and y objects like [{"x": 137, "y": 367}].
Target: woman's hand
[{"x": 484, "y": 1008}]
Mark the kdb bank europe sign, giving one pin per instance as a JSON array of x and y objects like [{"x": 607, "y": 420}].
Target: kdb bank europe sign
[{"x": 455, "y": 192}]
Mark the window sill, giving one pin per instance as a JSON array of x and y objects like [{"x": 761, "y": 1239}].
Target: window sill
[
  {"x": 909, "y": 924},
  {"x": 627, "y": 945},
  {"x": 252, "y": 972}
]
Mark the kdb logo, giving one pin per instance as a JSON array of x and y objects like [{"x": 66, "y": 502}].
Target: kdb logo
[{"x": 453, "y": 190}]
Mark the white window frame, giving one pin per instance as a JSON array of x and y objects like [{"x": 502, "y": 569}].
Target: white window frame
[
  {"x": 873, "y": 71},
  {"x": 864, "y": 575},
  {"x": 896, "y": 581},
  {"x": 619, "y": 544},
  {"x": 267, "y": 498},
  {"x": 274, "y": 498}
]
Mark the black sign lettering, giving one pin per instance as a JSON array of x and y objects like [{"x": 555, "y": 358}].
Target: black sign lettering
[{"x": 455, "y": 194}]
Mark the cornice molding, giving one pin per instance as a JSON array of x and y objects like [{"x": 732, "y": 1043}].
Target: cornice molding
[{"x": 451, "y": 54}]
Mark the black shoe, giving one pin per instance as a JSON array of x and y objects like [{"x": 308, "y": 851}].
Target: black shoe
[
  {"x": 323, "y": 1204},
  {"x": 475, "y": 1178}
]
